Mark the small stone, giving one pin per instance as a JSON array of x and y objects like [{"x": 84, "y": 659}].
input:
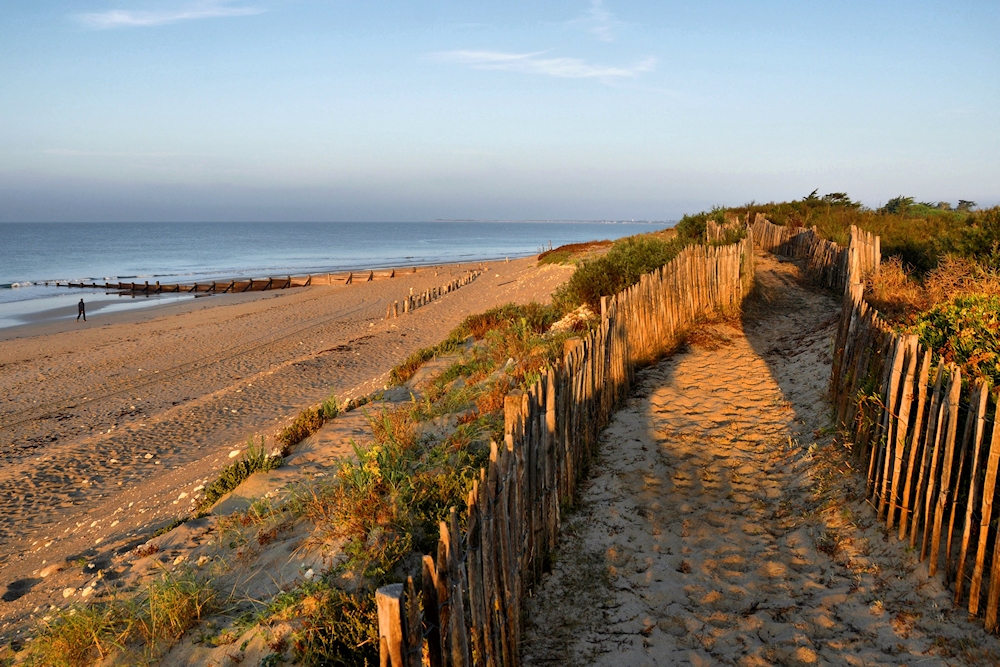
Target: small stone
[
  {"x": 51, "y": 569},
  {"x": 68, "y": 592}
]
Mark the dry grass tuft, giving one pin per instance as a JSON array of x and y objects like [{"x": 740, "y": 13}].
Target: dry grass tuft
[
  {"x": 901, "y": 296},
  {"x": 147, "y": 623}
]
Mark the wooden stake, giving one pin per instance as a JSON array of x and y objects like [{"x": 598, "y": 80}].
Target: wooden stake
[
  {"x": 977, "y": 439},
  {"x": 389, "y": 601},
  {"x": 989, "y": 489},
  {"x": 954, "y": 389},
  {"x": 915, "y": 442}
]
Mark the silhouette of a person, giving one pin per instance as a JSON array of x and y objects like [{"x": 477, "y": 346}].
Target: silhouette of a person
[{"x": 81, "y": 311}]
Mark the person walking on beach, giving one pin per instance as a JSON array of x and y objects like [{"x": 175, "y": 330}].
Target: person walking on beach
[{"x": 81, "y": 311}]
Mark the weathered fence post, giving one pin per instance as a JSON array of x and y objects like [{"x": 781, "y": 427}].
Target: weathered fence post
[{"x": 390, "y": 603}]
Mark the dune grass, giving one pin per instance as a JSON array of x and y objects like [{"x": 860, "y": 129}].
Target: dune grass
[
  {"x": 143, "y": 625},
  {"x": 532, "y": 317},
  {"x": 920, "y": 233},
  {"x": 255, "y": 459},
  {"x": 306, "y": 423}
]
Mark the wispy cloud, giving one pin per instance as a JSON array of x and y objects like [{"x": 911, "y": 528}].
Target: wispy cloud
[
  {"x": 127, "y": 18},
  {"x": 598, "y": 21},
  {"x": 533, "y": 63},
  {"x": 69, "y": 152}
]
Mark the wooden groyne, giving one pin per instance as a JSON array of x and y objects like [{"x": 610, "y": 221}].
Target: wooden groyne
[
  {"x": 466, "y": 605},
  {"x": 414, "y": 301},
  {"x": 238, "y": 286}
]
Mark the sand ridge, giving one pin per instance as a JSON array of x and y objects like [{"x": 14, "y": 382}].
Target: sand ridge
[
  {"x": 106, "y": 431},
  {"x": 723, "y": 525}
]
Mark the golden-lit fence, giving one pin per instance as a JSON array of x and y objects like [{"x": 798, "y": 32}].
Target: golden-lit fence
[
  {"x": 928, "y": 442},
  {"x": 930, "y": 446},
  {"x": 827, "y": 263},
  {"x": 472, "y": 591}
]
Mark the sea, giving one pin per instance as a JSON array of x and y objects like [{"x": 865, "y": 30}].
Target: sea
[{"x": 32, "y": 254}]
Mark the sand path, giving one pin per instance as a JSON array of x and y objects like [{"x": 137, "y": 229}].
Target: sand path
[
  {"x": 103, "y": 428},
  {"x": 721, "y": 525}
]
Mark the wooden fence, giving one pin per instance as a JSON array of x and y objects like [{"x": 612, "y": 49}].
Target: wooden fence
[
  {"x": 827, "y": 263},
  {"x": 472, "y": 591},
  {"x": 414, "y": 301},
  {"x": 904, "y": 411}
]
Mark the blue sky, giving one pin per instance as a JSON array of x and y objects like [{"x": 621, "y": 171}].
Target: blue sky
[{"x": 158, "y": 110}]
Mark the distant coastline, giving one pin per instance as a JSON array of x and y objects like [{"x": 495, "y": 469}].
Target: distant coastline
[
  {"x": 34, "y": 254},
  {"x": 666, "y": 223}
]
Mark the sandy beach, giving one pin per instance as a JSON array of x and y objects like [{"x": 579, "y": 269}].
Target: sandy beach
[{"x": 101, "y": 422}]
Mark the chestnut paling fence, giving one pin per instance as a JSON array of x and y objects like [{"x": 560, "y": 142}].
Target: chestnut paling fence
[
  {"x": 465, "y": 607},
  {"x": 927, "y": 440},
  {"x": 929, "y": 444}
]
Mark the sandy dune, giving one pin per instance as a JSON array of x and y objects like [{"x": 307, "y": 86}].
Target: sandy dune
[
  {"x": 106, "y": 428},
  {"x": 723, "y": 526}
]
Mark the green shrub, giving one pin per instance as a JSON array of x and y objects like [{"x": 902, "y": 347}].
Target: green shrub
[
  {"x": 731, "y": 235},
  {"x": 621, "y": 267},
  {"x": 691, "y": 227},
  {"x": 965, "y": 331},
  {"x": 333, "y": 626},
  {"x": 979, "y": 238},
  {"x": 255, "y": 459}
]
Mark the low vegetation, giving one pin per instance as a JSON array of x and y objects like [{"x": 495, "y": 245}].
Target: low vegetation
[
  {"x": 306, "y": 423},
  {"x": 920, "y": 233},
  {"x": 500, "y": 320},
  {"x": 620, "y": 267},
  {"x": 143, "y": 625},
  {"x": 965, "y": 330},
  {"x": 255, "y": 459},
  {"x": 571, "y": 252},
  {"x": 336, "y": 627},
  {"x": 940, "y": 271}
]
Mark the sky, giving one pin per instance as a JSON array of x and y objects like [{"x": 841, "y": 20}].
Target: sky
[{"x": 290, "y": 110}]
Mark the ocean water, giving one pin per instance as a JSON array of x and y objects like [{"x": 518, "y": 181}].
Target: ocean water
[{"x": 32, "y": 253}]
